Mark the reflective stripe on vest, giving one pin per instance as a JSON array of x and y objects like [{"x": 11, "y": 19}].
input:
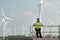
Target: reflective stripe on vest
[{"x": 37, "y": 25}]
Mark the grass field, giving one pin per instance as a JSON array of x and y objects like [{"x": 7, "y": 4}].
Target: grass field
[
  {"x": 1, "y": 38},
  {"x": 22, "y": 37}
]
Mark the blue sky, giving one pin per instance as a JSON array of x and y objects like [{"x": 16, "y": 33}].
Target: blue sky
[{"x": 26, "y": 11}]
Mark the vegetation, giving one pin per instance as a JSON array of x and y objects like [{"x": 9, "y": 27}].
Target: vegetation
[
  {"x": 13, "y": 36},
  {"x": 1, "y": 38},
  {"x": 18, "y": 37}
]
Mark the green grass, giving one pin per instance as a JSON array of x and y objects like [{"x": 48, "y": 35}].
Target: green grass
[
  {"x": 13, "y": 36},
  {"x": 1, "y": 38}
]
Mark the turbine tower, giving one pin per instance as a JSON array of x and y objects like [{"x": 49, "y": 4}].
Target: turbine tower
[
  {"x": 41, "y": 2},
  {"x": 24, "y": 28},
  {"x": 5, "y": 22},
  {"x": 15, "y": 29}
]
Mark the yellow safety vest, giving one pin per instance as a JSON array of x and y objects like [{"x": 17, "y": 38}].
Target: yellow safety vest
[{"x": 37, "y": 25}]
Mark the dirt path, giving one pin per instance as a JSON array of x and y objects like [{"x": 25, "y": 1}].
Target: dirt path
[{"x": 45, "y": 39}]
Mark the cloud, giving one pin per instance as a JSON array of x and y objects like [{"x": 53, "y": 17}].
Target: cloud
[{"x": 28, "y": 13}]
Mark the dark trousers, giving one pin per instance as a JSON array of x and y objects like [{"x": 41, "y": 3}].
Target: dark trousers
[{"x": 38, "y": 32}]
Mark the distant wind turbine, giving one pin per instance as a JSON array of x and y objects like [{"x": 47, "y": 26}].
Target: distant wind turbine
[
  {"x": 5, "y": 22},
  {"x": 15, "y": 30},
  {"x": 9, "y": 31},
  {"x": 23, "y": 29},
  {"x": 50, "y": 22}
]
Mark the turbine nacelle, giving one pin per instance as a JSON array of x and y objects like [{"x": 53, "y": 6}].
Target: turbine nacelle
[{"x": 41, "y": 2}]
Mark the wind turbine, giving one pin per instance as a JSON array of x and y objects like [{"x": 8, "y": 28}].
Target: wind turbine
[
  {"x": 5, "y": 22},
  {"x": 50, "y": 23},
  {"x": 8, "y": 32},
  {"x": 15, "y": 30},
  {"x": 40, "y": 4},
  {"x": 23, "y": 29}
]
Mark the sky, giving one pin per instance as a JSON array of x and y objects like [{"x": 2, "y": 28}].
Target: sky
[{"x": 26, "y": 11}]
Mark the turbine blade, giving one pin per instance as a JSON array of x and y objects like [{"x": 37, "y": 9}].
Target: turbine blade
[
  {"x": 1, "y": 21},
  {"x": 8, "y": 18},
  {"x": 2, "y": 12}
]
